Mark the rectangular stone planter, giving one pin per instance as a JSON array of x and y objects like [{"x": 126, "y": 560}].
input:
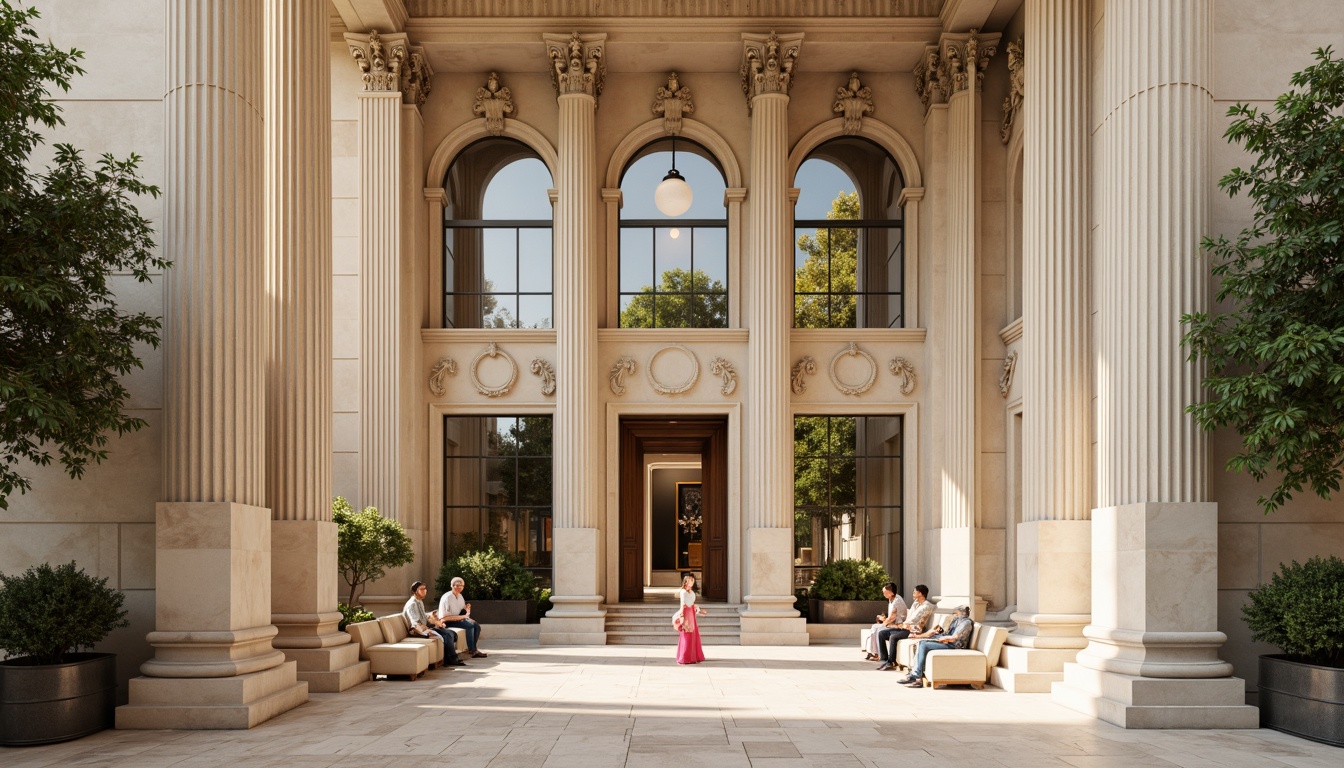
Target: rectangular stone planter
[
  {"x": 1302, "y": 699},
  {"x": 844, "y": 611},
  {"x": 504, "y": 611}
]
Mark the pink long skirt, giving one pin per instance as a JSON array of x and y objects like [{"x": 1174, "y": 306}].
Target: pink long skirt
[{"x": 688, "y": 646}]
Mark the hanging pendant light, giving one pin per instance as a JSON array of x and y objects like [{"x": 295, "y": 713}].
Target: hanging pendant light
[{"x": 673, "y": 195}]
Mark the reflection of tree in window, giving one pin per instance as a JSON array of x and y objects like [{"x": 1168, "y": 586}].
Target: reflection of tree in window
[
  {"x": 824, "y": 286},
  {"x": 684, "y": 299}
]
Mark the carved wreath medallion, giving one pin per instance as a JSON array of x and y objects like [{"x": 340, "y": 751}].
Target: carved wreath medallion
[
  {"x": 899, "y": 366},
  {"x": 445, "y": 367},
  {"x": 493, "y": 350},
  {"x": 673, "y": 389},
  {"x": 853, "y": 389}
]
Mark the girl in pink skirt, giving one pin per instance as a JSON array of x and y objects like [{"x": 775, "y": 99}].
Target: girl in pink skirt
[{"x": 688, "y": 647}]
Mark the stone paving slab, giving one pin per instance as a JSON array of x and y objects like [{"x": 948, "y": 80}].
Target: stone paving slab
[{"x": 625, "y": 706}]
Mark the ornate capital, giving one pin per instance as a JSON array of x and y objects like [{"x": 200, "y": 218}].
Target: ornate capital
[
  {"x": 577, "y": 65},
  {"x": 966, "y": 56},
  {"x": 931, "y": 78},
  {"x": 390, "y": 64},
  {"x": 1016, "y": 88},
  {"x": 853, "y": 100},
  {"x": 673, "y": 102},
  {"x": 493, "y": 101},
  {"x": 417, "y": 78},
  {"x": 767, "y": 63}
]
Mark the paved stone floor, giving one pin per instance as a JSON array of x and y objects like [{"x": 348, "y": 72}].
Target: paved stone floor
[{"x": 602, "y": 707}]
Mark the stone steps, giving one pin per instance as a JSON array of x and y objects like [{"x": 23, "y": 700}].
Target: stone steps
[{"x": 651, "y": 624}]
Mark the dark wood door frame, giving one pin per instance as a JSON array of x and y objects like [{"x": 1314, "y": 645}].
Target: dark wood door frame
[{"x": 707, "y": 437}]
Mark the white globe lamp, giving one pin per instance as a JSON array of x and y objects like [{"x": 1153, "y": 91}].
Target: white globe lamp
[{"x": 673, "y": 195}]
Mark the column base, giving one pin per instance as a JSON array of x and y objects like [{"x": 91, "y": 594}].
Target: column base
[
  {"x": 219, "y": 703},
  {"x": 329, "y": 670},
  {"x": 1151, "y": 703},
  {"x": 574, "y": 620}
]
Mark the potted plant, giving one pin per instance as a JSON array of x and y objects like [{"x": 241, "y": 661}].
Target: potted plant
[
  {"x": 1301, "y": 610},
  {"x": 51, "y": 691},
  {"x": 367, "y": 544},
  {"x": 847, "y": 592},
  {"x": 501, "y": 590}
]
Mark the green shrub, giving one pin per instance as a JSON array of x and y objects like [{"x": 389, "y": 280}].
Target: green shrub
[
  {"x": 490, "y": 574},
  {"x": 353, "y": 615},
  {"x": 1301, "y": 610},
  {"x": 849, "y": 580},
  {"x": 544, "y": 603},
  {"x": 49, "y": 612}
]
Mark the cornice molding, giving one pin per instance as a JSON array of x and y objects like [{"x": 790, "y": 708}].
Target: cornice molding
[{"x": 507, "y": 9}]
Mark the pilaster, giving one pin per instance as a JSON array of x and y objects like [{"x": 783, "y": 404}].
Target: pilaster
[
  {"x": 578, "y": 71},
  {"x": 769, "y": 616},
  {"x": 213, "y": 664}
]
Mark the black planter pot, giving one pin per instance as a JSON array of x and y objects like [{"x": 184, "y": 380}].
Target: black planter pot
[
  {"x": 504, "y": 611},
  {"x": 844, "y": 611},
  {"x": 47, "y": 703},
  {"x": 1302, "y": 699}
]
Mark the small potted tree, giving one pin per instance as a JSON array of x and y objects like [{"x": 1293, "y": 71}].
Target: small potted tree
[
  {"x": 847, "y": 592},
  {"x": 1301, "y": 610},
  {"x": 500, "y": 589},
  {"x": 367, "y": 544},
  {"x": 50, "y": 690}
]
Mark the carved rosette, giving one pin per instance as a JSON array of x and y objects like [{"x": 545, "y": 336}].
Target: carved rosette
[
  {"x": 899, "y": 366},
  {"x": 1012, "y": 103},
  {"x": 804, "y": 367},
  {"x": 493, "y": 102},
  {"x": 725, "y": 370},
  {"x": 546, "y": 371},
  {"x": 853, "y": 390},
  {"x": 1006, "y": 378},
  {"x": 673, "y": 102},
  {"x": 576, "y": 63},
  {"x": 616, "y": 378},
  {"x": 767, "y": 64},
  {"x": 678, "y": 388},
  {"x": 853, "y": 101},
  {"x": 492, "y": 350},
  {"x": 380, "y": 61},
  {"x": 446, "y": 366}
]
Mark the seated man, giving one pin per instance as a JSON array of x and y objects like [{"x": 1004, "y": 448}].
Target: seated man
[
  {"x": 894, "y": 617},
  {"x": 915, "y": 621},
  {"x": 455, "y": 609},
  {"x": 422, "y": 624},
  {"x": 958, "y": 635}
]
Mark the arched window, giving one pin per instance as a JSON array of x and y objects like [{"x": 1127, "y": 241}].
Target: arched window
[
  {"x": 673, "y": 271},
  {"x": 497, "y": 261},
  {"x": 849, "y": 255}
]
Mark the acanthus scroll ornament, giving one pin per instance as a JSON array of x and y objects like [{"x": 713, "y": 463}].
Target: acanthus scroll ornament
[
  {"x": 853, "y": 390},
  {"x": 853, "y": 100},
  {"x": 673, "y": 102},
  {"x": 805, "y": 367},
  {"x": 1006, "y": 378},
  {"x": 1012, "y": 103},
  {"x": 722, "y": 368},
  {"x": 673, "y": 389},
  {"x": 767, "y": 65},
  {"x": 577, "y": 65},
  {"x": 493, "y": 102},
  {"x": 899, "y": 366},
  {"x": 544, "y": 369},
  {"x": 492, "y": 350},
  {"x": 623, "y": 367},
  {"x": 446, "y": 366}
]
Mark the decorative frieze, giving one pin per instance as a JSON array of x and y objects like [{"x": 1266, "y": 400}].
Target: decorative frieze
[
  {"x": 681, "y": 9},
  {"x": 676, "y": 350},
  {"x": 853, "y": 100},
  {"x": 899, "y": 366},
  {"x": 804, "y": 367},
  {"x": 492, "y": 350},
  {"x": 725, "y": 370},
  {"x": 1012, "y": 103},
  {"x": 1006, "y": 378},
  {"x": 854, "y": 390},
  {"x": 576, "y": 63},
  {"x": 493, "y": 102},
  {"x": 767, "y": 64},
  {"x": 546, "y": 371},
  {"x": 616, "y": 378},
  {"x": 673, "y": 102},
  {"x": 446, "y": 366}
]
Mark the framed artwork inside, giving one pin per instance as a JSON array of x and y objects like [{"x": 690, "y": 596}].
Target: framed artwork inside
[{"x": 690, "y": 524}]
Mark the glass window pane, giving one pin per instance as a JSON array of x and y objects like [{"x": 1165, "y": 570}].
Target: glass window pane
[
  {"x": 503, "y": 436},
  {"x": 499, "y": 311},
  {"x": 534, "y": 481},
  {"x": 636, "y": 260},
  {"x": 534, "y": 436},
  {"x": 501, "y": 259},
  {"x": 534, "y": 311},
  {"x": 811, "y": 481},
  {"x": 637, "y": 311},
  {"x": 709, "y": 310},
  {"x": 673, "y": 253},
  {"x": 534, "y": 256},
  {"x": 672, "y": 311},
  {"x": 711, "y": 253}
]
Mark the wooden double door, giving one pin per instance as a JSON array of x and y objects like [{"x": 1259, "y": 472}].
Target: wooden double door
[{"x": 707, "y": 437}]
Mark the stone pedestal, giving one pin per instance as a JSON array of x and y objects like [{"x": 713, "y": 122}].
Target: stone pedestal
[
  {"x": 1054, "y": 566},
  {"x": 769, "y": 617},
  {"x": 1152, "y": 656},
  {"x": 576, "y": 616},
  {"x": 303, "y": 589},
  {"x": 213, "y": 665}
]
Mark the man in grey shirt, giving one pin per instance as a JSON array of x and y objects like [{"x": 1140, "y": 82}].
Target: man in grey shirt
[
  {"x": 958, "y": 635},
  {"x": 422, "y": 624}
]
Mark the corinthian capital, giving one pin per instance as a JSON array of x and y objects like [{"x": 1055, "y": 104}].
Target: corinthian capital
[
  {"x": 966, "y": 56},
  {"x": 390, "y": 64},
  {"x": 767, "y": 63},
  {"x": 577, "y": 65}
]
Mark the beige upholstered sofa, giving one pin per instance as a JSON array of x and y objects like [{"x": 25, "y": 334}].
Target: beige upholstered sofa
[
  {"x": 905, "y": 649},
  {"x": 970, "y": 666},
  {"x": 409, "y": 659},
  {"x": 396, "y": 630}
]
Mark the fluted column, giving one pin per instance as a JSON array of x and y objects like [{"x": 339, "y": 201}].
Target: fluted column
[
  {"x": 1055, "y": 539},
  {"x": 213, "y": 664},
  {"x": 1154, "y": 535},
  {"x": 298, "y": 269},
  {"x": 578, "y": 70},
  {"x": 769, "y": 617}
]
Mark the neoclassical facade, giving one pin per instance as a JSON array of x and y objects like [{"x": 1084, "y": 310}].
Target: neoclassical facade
[{"x": 924, "y": 307}]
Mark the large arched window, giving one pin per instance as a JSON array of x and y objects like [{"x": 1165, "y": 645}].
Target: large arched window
[
  {"x": 497, "y": 261},
  {"x": 673, "y": 270},
  {"x": 849, "y": 256}
]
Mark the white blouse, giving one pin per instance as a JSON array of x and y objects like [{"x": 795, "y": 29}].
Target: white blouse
[{"x": 687, "y": 597}]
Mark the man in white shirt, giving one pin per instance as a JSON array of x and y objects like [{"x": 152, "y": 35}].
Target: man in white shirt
[
  {"x": 456, "y": 611},
  {"x": 915, "y": 619}
]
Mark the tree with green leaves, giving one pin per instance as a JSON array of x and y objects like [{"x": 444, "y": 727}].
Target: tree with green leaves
[
  {"x": 367, "y": 544},
  {"x": 1276, "y": 356},
  {"x": 824, "y": 287},
  {"x": 64, "y": 233},
  {"x": 684, "y": 299},
  {"x": 824, "y": 472}
]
